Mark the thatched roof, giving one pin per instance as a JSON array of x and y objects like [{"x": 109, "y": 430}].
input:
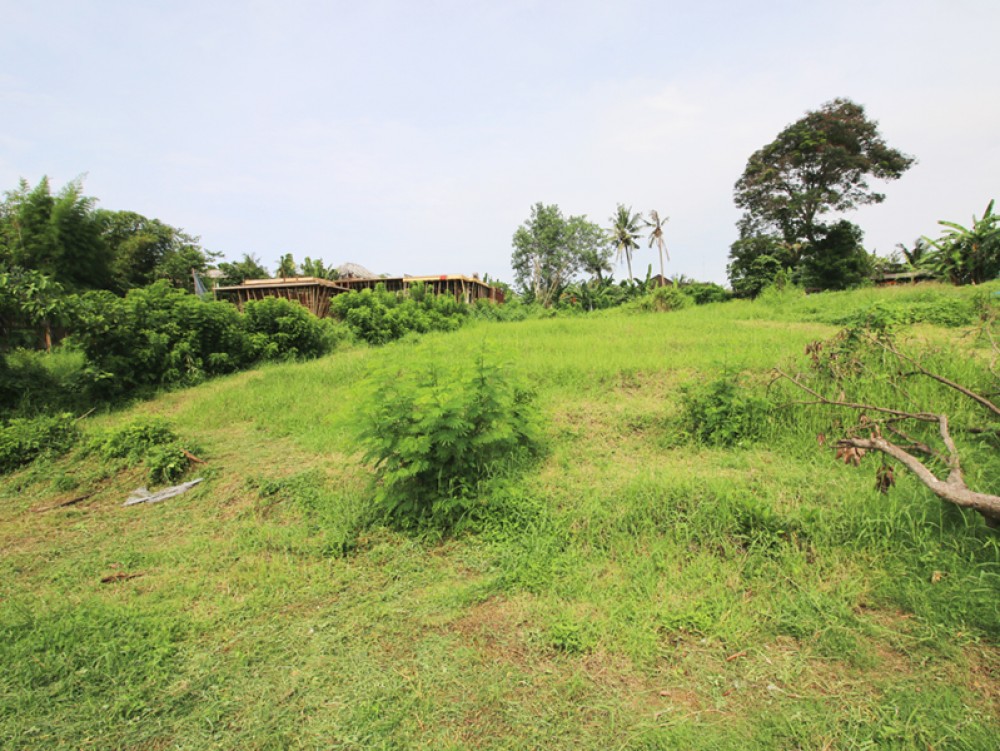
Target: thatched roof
[{"x": 354, "y": 271}]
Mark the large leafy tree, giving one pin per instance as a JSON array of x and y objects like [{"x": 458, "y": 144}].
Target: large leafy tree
[
  {"x": 819, "y": 164},
  {"x": 550, "y": 250},
  {"x": 625, "y": 234},
  {"x": 145, "y": 250}
]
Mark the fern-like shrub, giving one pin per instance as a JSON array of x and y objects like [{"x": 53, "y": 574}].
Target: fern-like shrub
[{"x": 436, "y": 436}]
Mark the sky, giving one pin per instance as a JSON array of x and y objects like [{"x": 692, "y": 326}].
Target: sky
[{"x": 414, "y": 137}]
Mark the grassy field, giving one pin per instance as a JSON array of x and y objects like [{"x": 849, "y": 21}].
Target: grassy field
[{"x": 630, "y": 590}]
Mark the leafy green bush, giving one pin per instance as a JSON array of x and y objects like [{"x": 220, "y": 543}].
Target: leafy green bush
[
  {"x": 662, "y": 299},
  {"x": 378, "y": 316},
  {"x": 134, "y": 440},
  {"x": 284, "y": 330},
  {"x": 22, "y": 440},
  {"x": 34, "y": 382},
  {"x": 146, "y": 440},
  {"x": 723, "y": 412},
  {"x": 706, "y": 292},
  {"x": 436, "y": 436}
]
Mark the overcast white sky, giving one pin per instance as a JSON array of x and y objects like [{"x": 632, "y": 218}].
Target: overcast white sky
[{"x": 414, "y": 137}]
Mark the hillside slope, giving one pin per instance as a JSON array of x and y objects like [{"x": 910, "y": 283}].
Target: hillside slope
[{"x": 631, "y": 589}]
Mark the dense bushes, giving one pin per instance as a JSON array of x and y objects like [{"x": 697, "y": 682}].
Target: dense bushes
[
  {"x": 154, "y": 337},
  {"x": 377, "y": 316},
  {"x": 283, "y": 330},
  {"x": 437, "y": 435}
]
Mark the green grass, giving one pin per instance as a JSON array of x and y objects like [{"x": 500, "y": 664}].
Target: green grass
[{"x": 630, "y": 590}]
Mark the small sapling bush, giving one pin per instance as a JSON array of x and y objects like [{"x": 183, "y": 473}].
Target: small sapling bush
[
  {"x": 724, "y": 412},
  {"x": 436, "y": 436}
]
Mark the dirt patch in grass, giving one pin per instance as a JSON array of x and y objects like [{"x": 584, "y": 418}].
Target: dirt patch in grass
[{"x": 500, "y": 630}]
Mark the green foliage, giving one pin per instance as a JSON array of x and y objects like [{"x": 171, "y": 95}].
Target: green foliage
[
  {"x": 755, "y": 261},
  {"x": 550, "y": 250},
  {"x": 724, "y": 412},
  {"x": 150, "y": 441},
  {"x": 23, "y": 440},
  {"x": 968, "y": 255},
  {"x": 34, "y": 382},
  {"x": 145, "y": 250},
  {"x": 625, "y": 234},
  {"x": 158, "y": 336},
  {"x": 836, "y": 260},
  {"x": 284, "y": 330},
  {"x": 237, "y": 272},
  {"x": 816, "y": 165},
  {"x": 704, "y": 293},
  {"x": 437, "y": 436},
  {"x": 134, "y": 440},
  {"x": 58, "y": 236},
  {"x": 377, "y": 316},
  {"x": 663, "y": 299}
]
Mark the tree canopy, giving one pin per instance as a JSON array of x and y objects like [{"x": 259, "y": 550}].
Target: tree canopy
[
  {"x": 549, "y": 250},
  {"x": 818, "y": 164}
]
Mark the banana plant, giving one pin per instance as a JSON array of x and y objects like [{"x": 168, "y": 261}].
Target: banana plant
[{"x": 968, "y": 255}]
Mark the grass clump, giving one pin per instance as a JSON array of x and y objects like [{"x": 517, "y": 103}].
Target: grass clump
[
  {"x": 25, "y": 439},
  {"x": 437, "y": 436}
]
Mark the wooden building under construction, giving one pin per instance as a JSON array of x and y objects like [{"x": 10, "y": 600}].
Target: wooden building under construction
[{"x": 315, "y": 294}]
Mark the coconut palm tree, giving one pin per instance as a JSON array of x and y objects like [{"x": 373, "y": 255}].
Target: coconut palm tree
[
  {"x": 625, "y": 234},
  {"x": 656, "y": 236}
]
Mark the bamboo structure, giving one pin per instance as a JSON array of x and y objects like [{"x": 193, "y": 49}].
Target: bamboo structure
[
  {"x": 311, "y": 292},
  {"x": 465, "y": 289},
  {"x": 315, "y": 294}
]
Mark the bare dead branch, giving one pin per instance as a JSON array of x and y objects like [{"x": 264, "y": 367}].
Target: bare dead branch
[
  {"x": 820, "y": 399},
  {"x": 952, "y": 490},
  {"x": 982, "y": 400}
]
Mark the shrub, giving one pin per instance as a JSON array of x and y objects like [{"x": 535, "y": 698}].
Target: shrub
[
  {"x": 23, "y": 440},
  {"x": 723, "y": 412},
  {"x": 379, "y": 317},
  {"x": 706, "y": 292},
  {"x": 437, "y": 435},
  {"x": 134, "y": 440},
  {"x": 146, "y": 440},
  {"x": 284, "y": 330},
  {"x": 664, "y": 299}
]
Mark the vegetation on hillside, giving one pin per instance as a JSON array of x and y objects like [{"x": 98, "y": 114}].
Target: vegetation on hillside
[{"x": 683, "y": 564}]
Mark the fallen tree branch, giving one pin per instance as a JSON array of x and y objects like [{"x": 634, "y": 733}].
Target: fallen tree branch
[
  {"x": 952, "y": 489},
  {"x": 978, "y": 398}
]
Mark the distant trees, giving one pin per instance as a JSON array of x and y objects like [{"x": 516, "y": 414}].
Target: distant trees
[
  {"x": 56, "y": 235},
  {"x": 145, "y": 250},
  {"x": 819, "y": 164},
  {"x": 549, "y": 250},
  {"x": 67, "y": 239},
  {"x": 237, "y": 272}
]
